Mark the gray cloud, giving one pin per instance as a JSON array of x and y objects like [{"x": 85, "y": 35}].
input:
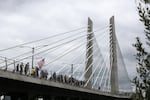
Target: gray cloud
[{"x": 26, "y": 20}]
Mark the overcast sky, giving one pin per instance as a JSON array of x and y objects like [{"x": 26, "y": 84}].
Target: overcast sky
[{"x": 26, "y": 20}]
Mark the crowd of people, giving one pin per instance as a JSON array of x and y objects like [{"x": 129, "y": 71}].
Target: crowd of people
[
  {"x": 43, "y": 74},
  {"x": 21, "y": 68},
  {"x": 34, "y": 71},
  {"x": 67, "y": 80}
]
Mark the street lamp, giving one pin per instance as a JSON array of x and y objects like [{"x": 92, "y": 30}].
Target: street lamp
[
  {"x": 33, "y": 50},
  {"x": 32, "y": 57},
  {"x": 32, "y": 53},
  {"x": 71, "y": 70}
]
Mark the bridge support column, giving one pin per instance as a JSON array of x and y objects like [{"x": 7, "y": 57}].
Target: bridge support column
[
  {"x": 113, "y": 58},
  {"x": 89, "y": 53}
]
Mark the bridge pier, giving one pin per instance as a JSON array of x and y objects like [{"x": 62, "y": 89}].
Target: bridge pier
[
  {"x": 113, "y": 58},
  {"x": 89, "y": 54}
]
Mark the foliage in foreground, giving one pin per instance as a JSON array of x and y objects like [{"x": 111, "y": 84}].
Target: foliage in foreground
[{"x": 142, "y": 80}]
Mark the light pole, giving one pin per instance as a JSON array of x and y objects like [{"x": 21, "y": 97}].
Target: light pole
[
  {"x": 32, "y": 57},
  {"x": 71, "y": 70},
  {"x": 33, "y": 51}
]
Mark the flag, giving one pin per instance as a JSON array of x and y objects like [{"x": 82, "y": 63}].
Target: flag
[{"x": 41, "y": 63}]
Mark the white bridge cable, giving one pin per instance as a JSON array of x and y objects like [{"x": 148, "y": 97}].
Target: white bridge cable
[
  {"x": 83, "y": 53},
  {"x": 39, "y": 53},
  {"x": 42, "y": 39},
  {"x": 59, "y": 71},
  {"x": 95, "y": 81},
  {"x": 85, "y": 60},
  {"x": 91, "y": 54},
  {"x": 74, "y": 59},
  {"x": 106, "y": 76},
  {"x": 80, "y": 55},
  {"x": 98, "y": 47},
  {"x": 109, "y": 76},
  {"x": 48, "y": 49},
  {"x": 60, "y": 44},
  {"x": 87, "y": 68},
  {"x": 96, "y": 30},
  {"x": 105, "y": 45},
  {"x": 101, "y": 84},
  {"x": 101, "y": 38},
  {"x": 68, "y": 51},
  {"x": 101, "y": 71},
  {"x": 105, "y": 48},
  {"x": 76, "y": 70},
  {"x": 100, "y": 77},
  {"x": 105, "y": 68},
  {"x": 95, "y": 43},
  {"x": 4, "y": 58},
  {"x": 6, "y": 61},
  {"x": 93, "y": 71},
  {"x": 104, "y": 88},
  {"x": 55, "y": 50},
  {"x": 123, "y": 78},
  {"x": 44, "y": 46},
  {"x": 106, "y": 65},
  {"x": 53, "y": 47},
  {"x": 102, "y": 60},
  {"x": 35, "y": 49},
  {"x": 55, "y": 42},
  {"x": 59, "y": 34},
  {"x": 14, "y": 58}
]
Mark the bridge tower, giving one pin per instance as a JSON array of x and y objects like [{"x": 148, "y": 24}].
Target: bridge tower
[
  {"x": 89, "y": 53},
  {"x": 113, "y": 58}
]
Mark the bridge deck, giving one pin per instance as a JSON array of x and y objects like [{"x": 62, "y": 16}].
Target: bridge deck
[{"x": 31, "y": 80}]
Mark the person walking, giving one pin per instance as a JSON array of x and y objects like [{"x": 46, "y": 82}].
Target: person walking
[
  {"x": 36, "y": 71},
  {"x": 21, "y": 68},
  {"x": 26, "y": 68},
  {"x": 17, "y": 68}
]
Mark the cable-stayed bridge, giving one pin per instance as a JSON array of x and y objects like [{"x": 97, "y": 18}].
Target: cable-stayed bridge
[{"x": 81, "y": 64}]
